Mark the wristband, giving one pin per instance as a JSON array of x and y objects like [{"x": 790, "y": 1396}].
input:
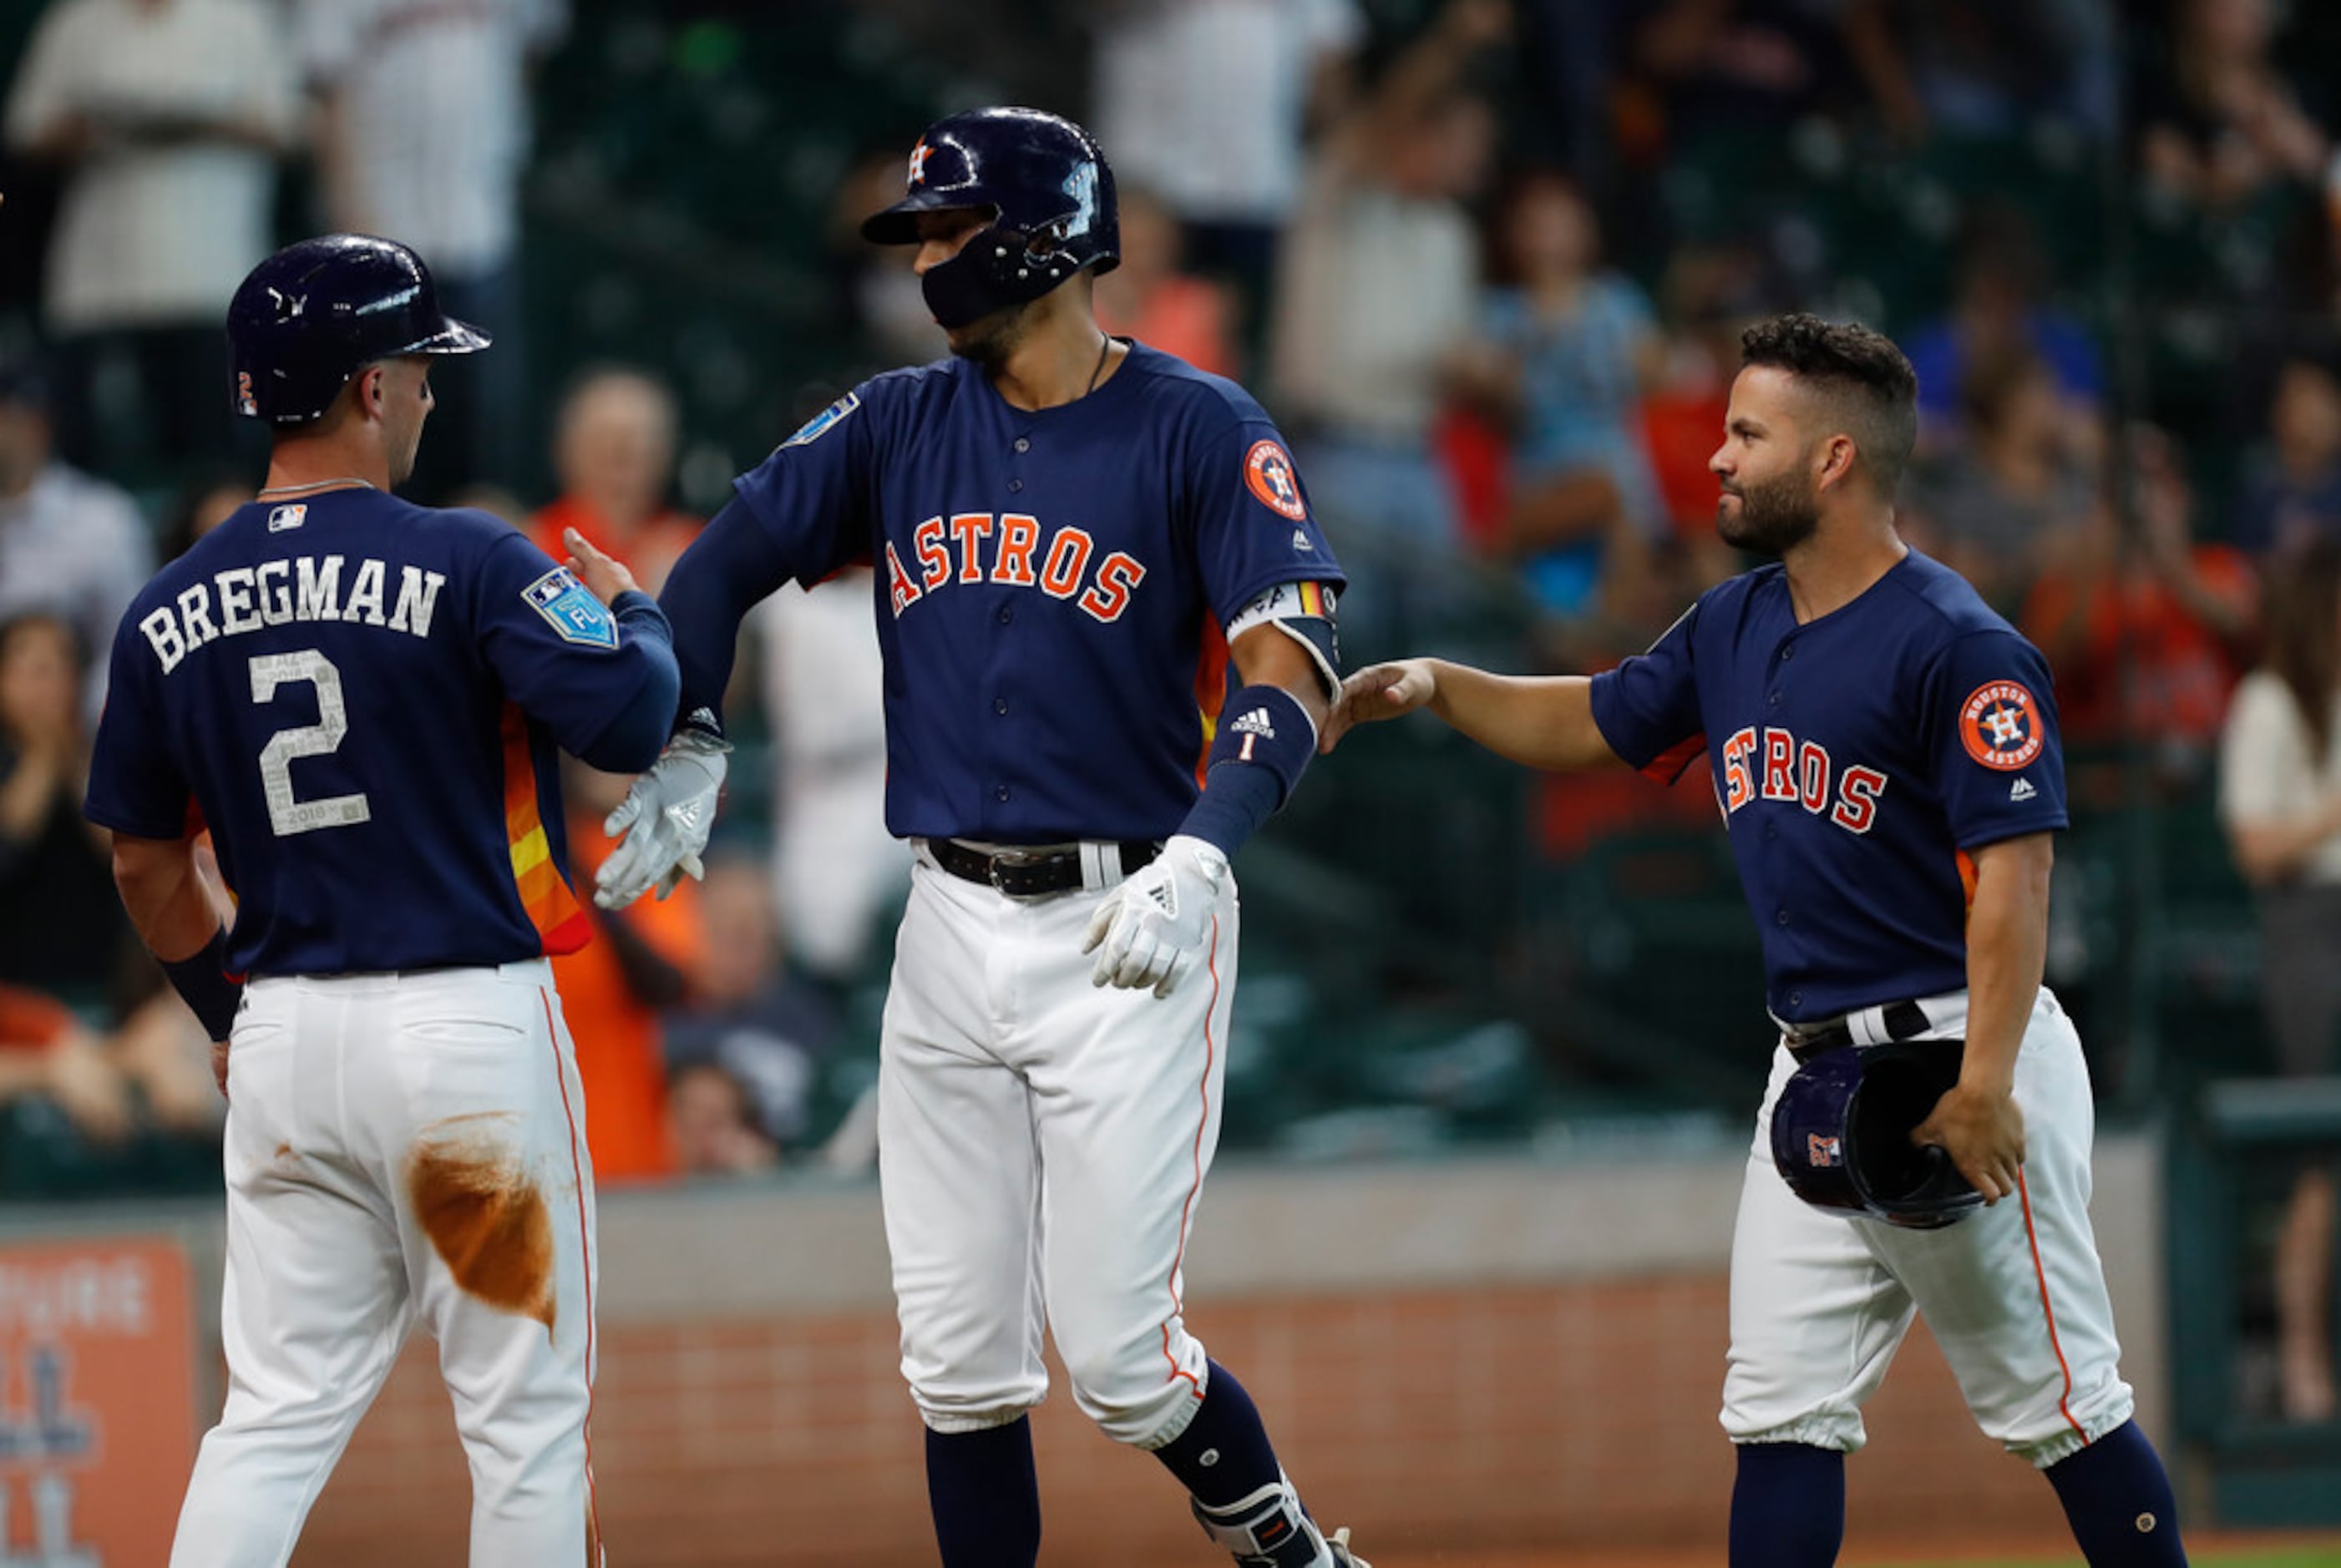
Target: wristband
[
  {"x": 204, "y": 984},
  {"x": 1265, "y": 741}
]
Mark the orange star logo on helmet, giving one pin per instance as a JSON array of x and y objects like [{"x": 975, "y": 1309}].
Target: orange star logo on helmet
[
  {"x": 1999, "y": 724},
  {"x": 918, "y": 162}
]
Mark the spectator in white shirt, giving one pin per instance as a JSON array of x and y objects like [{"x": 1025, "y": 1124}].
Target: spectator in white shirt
[
  {"x": 837, "y": 873},
  {"x": 1376, "y": 310},
  {"x": 168, "y": 118},
  {"x": 2280, "y": 797},
  {"x": 1206, "y": 104},
  {"x": 423, "y": 139},
  {"x": 70, "y": 546}
]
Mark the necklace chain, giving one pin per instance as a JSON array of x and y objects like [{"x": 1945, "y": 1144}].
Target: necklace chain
[
  {"x": 313, "y": 484},
  {"x": 1104, "y": 348}
]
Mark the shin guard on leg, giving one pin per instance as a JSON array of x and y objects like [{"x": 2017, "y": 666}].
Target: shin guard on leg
[{"x": 1269, "y": 1529}]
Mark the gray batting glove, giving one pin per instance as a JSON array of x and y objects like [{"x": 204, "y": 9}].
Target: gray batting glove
[
  {"x": 1148, "y": 930},
  {"x": 665, "y": 817}
]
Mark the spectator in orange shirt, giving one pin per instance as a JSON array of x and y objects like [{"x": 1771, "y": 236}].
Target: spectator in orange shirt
[
  {"x": 641, "y": 961},
  {"x": 614, "y": 451},
  {"x": 2147, "y": 637},
  {"x": 1151, "y": 297},
  {"x": 45, "y": 1050}
]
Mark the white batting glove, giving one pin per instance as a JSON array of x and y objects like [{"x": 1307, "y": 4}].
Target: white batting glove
[
  {"x": 1148, "y": 929},
  {"x": 665, "y": 817}
]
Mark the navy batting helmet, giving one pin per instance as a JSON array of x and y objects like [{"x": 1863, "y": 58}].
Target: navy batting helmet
[
  {"x": 1841, "y": 1134},
  {"x": 1049, "y": 194},
  {"x": 315, "y": 314}
]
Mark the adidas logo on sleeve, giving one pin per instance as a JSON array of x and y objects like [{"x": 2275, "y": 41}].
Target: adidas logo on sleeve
[{"x": 1255, "y": 723}]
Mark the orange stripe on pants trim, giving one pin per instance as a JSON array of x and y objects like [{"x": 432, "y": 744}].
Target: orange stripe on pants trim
[
  {"x": 2065, "y": 1399},
  {"x": 585, "y": 1243},
  {"x": 1210, "y": 1051}
]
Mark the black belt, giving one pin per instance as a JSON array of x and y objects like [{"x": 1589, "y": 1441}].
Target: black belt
[
  {"x": 1029, "y": 873},
  {"x": 1903, "y": 1020}
]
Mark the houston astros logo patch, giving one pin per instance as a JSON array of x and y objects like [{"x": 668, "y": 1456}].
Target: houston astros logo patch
[
  {"x": 1268, "y": 473},
  {"x": 2000, "y": 725}
]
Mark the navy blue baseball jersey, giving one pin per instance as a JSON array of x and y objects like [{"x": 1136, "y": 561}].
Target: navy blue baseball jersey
[
  {"x": 361, "y": 699},
  {"x": 1052, "y": 587},
  {"x": 1858, "y": 759}
]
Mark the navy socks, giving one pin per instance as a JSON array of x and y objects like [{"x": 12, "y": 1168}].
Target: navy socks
[
  {"x": 1224, "y": 1456},
  {"x": 2117, "y": 1499},
  {"x": 1787, "y": 1506},
  {"x": 986, "y": 1496}
]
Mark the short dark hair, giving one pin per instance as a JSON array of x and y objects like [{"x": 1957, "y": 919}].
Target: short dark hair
[{"x": 1867, "y": 380}]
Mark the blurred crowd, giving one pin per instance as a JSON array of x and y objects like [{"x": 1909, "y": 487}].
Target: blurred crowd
[
  {"x": 1485, "y": 260},
  {"x": 176, "y": 141}
]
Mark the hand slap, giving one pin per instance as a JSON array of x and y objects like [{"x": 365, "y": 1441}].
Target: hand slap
[
  {"x": 665, "y": 819},
  {"x": 1376, "y": 692},
  {"x": 606, "y": 577}
]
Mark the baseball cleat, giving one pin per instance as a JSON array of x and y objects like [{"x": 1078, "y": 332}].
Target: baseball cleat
[{"x": 1339, "y": 1545}]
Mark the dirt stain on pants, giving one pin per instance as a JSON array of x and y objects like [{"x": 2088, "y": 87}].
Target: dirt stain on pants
[{"x": 472, "y": 1195}]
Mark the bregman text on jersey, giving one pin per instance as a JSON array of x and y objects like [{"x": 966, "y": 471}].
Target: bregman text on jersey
[{"x": 241, "y": 598}]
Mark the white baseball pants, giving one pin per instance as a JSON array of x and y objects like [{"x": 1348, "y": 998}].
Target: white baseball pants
[
  {"x": 2014, "y": 1293},
  {"x": 1042, "y": 1144},
  {"x": 404, "y": 1147}
]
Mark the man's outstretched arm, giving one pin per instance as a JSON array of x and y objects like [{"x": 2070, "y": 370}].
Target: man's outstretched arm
[{"x": 1542, "y": 721}]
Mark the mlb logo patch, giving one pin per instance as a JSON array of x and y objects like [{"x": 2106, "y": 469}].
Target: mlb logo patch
[
  {"x": 570, "y": 608},
  {"x": 287, "y": 517},
  {"x": 1822, "y": 1151}
]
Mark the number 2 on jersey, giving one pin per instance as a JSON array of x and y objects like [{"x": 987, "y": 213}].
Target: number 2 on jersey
[{"x": 286, "y": 814}]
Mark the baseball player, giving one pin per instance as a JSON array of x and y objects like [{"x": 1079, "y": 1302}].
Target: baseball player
[
  {"x": 1884, "y": 750},
  {"x": 1078, "y": 540},
  {"x": 361, "y": 699}
]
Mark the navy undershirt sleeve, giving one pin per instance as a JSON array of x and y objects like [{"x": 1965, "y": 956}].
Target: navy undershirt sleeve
[{"x": 732, "y": 566}]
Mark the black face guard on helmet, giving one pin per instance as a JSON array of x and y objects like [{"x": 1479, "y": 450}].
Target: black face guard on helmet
[
  {"x": 1047, "y": 192},
  {"x": 1841, "y": 1134}
]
